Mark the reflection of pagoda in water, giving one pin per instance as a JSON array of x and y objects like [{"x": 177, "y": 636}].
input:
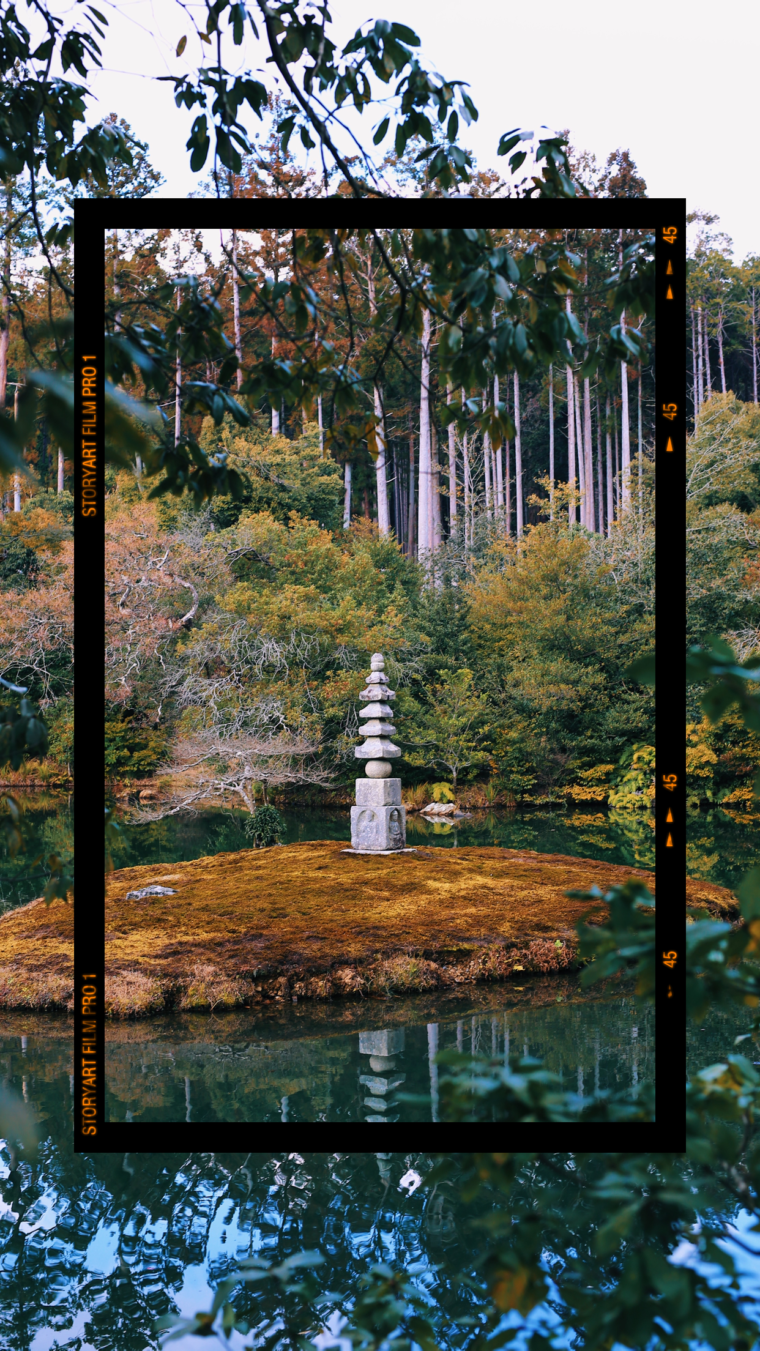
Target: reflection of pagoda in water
[
  {"x": 383, "y": 1048},
  {"x": 303, "y": 1078}
]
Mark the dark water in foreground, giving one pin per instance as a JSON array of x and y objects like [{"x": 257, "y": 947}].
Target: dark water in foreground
[{"x": 94, "y": 1248}]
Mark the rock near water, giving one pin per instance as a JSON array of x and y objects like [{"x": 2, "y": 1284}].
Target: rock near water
[{"x": 151, "y": 891}]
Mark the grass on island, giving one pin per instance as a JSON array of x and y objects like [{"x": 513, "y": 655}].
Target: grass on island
[{"x": 309, "y": 921}]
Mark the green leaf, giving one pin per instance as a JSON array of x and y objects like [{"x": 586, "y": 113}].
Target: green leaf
[
  {"x": 237, "y": 20},
  {"x": 181, "y": 45},
  {"x": 748, "y": 892},
  {"x": 508, "y": 141},
  {"x": 382, "y": 129},
  {"x": 642, "y": 669},
  {"x": 404, "y": 34}
]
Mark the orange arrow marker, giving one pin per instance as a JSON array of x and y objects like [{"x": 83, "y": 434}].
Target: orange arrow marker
[
  {"x": 669, "y": 816},
  {"x": 669, "y": 842},
  {"x": 669, "y": 446},
  {"x": 668, "y": 269},
  {"x": 669, "y": 295}
]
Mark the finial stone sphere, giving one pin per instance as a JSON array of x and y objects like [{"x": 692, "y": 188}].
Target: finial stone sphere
[
  {"x": 376, "y": 661},
  {"x": 378, "y": 769}
]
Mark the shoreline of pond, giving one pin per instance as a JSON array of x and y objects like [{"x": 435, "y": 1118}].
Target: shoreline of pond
[{"x": 283, "y": 1019}]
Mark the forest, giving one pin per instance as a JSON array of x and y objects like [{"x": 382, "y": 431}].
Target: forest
[{"x": 508, "y": 579}]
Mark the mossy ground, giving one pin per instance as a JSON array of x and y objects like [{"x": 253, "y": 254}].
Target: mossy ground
[{"x": 309, "y": 921}]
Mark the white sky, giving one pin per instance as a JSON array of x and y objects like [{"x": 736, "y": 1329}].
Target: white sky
[{"x": 672, "y": 84}]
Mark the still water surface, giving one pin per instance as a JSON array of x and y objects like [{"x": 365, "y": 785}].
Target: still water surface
[
  {"x": 47, "y": 827},
  {"x": 348, "y": 1061},
  {"x": 94, "y": 1248},
  {"x": 595, "y": 835}
]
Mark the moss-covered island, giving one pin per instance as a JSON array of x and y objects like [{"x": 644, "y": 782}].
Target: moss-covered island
[{"x": 309, "y": 921}]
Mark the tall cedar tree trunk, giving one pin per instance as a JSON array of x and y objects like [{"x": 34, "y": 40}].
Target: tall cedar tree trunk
[
  {"x": 319, "y": 398},
  {"x": 580, "y": 449},
  {"x": 435, "y": 495},
  {"x": 452, "y": 469},
  {"x": 701, "y": 364},
  {"x": 346, "y": 494},
  {"x": 499, "y": 468},
  {"x": 608, "y": 445},
  {"x": 754, "y": 344},
  {"x": 695, "y": 387},
  {"x": 587, "y": 438},
  {"x": 236, "y": 309},
  {"x": 599, "y": 474},
  {"x": 381, "y": 476},
  {"x": 708, "y": 372},
  {"x": 275, "y": 411},
  {"x": 518, "y": 460},
  {"x": 424, "y": 542},
  {"x": 177, "y": 388},
  {"x": 587, "y": 443},
  {"x": 6, "y": 300},
  {"x": 16, "y": 478},
  {"x": 617, "y": 462},
  {"x": 720, "y": 350},
  {"x": 641, "y": 453},
  {"x": 625, "y": 435},
  {"x": 487, "y": 461},
  {"x": 466, "y": 483},
  {"x": 570, "y": 432},
  {"x": 412, "y": 548},
  {"x": 625, "y": 441},
  {"x": 551, "y": 443},
  {"x": 507, "y": 471}
]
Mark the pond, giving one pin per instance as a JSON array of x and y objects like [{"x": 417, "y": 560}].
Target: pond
[
  {"x": 109, "y": 1242},
  {"x": 47, "y": 827},
  {"x": 350, "y": 1060},
  {"x": 580, "y": 834},
  {"x": 721, "y": 846},
  {"x": 94, "y": 1248}
]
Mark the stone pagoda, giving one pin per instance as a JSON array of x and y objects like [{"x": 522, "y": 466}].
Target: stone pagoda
[{"x": 378, "y": 821}]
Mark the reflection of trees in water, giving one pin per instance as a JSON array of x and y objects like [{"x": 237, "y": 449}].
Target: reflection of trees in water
[
  {"x": 48, "y": 828},
  {"x": 355, "y": 1075},
  {"x": 158, "y": 1210},
  {"x": 211, "y": 832}
]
